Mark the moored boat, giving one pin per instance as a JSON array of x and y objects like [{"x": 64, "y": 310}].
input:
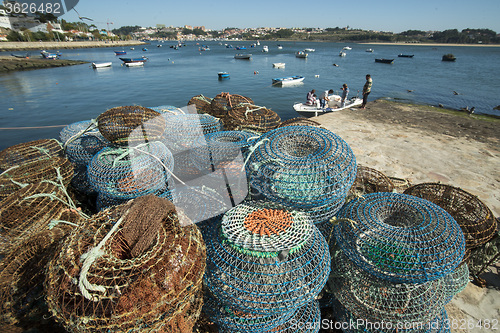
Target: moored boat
[
  {"x": 127, "y": 60},
  {"x": 134, "y": 64},
  {"x": 369, "y": 50},
  {"x": 334, "y": 105},
  {"x": 121, "y": 52},
  {"x": 347, "y": 48},
  {"x": 449, "y": 57},
  {"x": 401, "y": 55},
  {"x": 246, "y": 56},
  {"x": 279, "y": 65},
  {"x": 384, "y": 61},
  {"x": 301, "y": 54},
  {"x": 101, "y": 64},
  {"x": 309, "y": 50},
  {"x": 265, "y": 48},
  {"x": 342, "y": 54},
  {"x": 223, "y": 75},
  {"x": 288, "y": 80}
]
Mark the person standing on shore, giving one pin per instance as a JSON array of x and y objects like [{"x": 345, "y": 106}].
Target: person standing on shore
[
  {"x": 367, "y": 88},
  {"x": 345, "y": 92}
]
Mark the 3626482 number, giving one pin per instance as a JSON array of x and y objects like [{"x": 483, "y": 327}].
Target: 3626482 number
[{"x": 32, "y": 8}]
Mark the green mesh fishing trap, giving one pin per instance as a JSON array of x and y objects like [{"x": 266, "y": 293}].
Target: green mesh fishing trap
[
  {"x": 81, "y": 141},
  {"x": 130, "y": 268},
  {"x": 377, "y": 300},
  {"x": 302, "y": 167},
  {"x": 28, "y": 152},
  {"x": 56, "y": 169},
  {"x": 474, "y": 217},
  {"x": 400, "y": 238},
  {"x": 266, "y": 259},
  {"x": 131, "y": 125},
  {"x": 126, "y": 173}
]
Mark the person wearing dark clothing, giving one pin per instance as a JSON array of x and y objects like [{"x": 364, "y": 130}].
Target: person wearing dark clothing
[{"x": 367, "y": 88}]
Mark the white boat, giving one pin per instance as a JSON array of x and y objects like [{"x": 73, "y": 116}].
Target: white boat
[
  {"x": 288, "y": 80},
  {"x": 347, "y": 48},
  {"x": 309, "y": 50},
  {"x": 279, "y": 65},
  {"x": 101, "y": 64},
  {"x": 369, "y": 50},
  {"x": 247, "y": 56},
  {"x": 333, "y": 106},
  {"x": 134, "y": 64},
  {"x": 265, "y": 48},
  {"x": 342, "y": 54},
  {"x": 301, "y": 54},
  {"x": 280, "y": 47}
]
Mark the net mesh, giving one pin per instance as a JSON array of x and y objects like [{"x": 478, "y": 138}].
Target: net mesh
[
  {"x": 82, "y": 140},
  {"x": 223, "y": 102},
  {"x": 369, "y": 180},
  {"x": 130, "y": 125},
  {"x": 130, "y": 268},
  {"x": 22, "y": 273},
  {"x": 263, "y": 282},
  {"x": 202, "y": 103},
  {"x": 474, "y": 217},
  {"x": 399, "y": 237},
  {"x": 54, "y": 169},
  {"x": 299, "y": 121},
  {"x": 252, "y": 116},
  {"x": 29, "y": 152},
  {"x": 377, "y": 300},
  {"x": 29, "y": 211},
  {"x": 126, "y": 173},
  {"x": 302, "y": 167}
]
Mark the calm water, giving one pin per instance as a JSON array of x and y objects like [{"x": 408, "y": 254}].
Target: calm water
[{"x": 60, "y": 96}]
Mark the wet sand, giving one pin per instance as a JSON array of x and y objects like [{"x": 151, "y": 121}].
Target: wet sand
[{"x": 9, "y": 63}]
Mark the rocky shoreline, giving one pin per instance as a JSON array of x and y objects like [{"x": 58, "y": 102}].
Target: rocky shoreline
[
  {"x": 9, "y": 63},
  {"x": 19, "y": 46}
]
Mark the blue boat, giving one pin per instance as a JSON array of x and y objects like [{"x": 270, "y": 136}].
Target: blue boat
[
  {"x": 240, "y": 48},
  {"x": 120, "y": 52},
  {"x": 127, "y": 60},
  {"x": 223, "y": 75},
  {"x": 144, "y": 49}
]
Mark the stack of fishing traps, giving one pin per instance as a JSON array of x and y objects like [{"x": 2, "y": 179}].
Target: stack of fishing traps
[
  {"x": 265, "y": 266},
  {"x": 398, "y": 261}
]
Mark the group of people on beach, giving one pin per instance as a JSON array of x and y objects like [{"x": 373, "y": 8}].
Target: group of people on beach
[{"x": 312, "y": 98}]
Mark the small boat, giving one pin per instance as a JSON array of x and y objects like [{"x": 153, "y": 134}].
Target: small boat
[
  {"x": 240, "y": 48},
  {"x": 279, "y": 65},
  {"x": 223, "y": 75},
  {"x": 347, "y": 48},
  {"x": 342, "y": 54},
  {"x": 280, "y": 47},
  {"x": 333, "y": 105},
  {"x": 132, "y": 48},
  {"x": 121, "y": 52},
  {"x": 288, "y": 80},
  {"x": 127, "y": 60},
  {"x": 47, "y": 55},
  {"x": 21, "y": 55},
  {"x": 369, "y": 50},
  {"x": 309, "y": 50},
  {"x": 384, "y": 61},
  {"x": 449, "y": 57},
  {"x": 246, "y": 56},
  {"x": 265, "y": 48},
  {"x": 401, "y": 55},
  {"x": 301, "y": 54},
  {"x": 229, "y": 46},
  {"x": 134, "y": 64},
  {"x": 101, "y": 64},
  {"x": 144, "y": 49}
]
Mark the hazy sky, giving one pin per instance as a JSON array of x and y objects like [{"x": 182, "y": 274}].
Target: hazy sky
[{"x": 386, "y": 15}]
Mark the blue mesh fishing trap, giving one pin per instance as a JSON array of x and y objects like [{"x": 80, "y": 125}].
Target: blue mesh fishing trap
[
  {"x": 126, "y": 173},
  {"x": 82, "y": 140},
  {"x": 399, "y": 237},
  {"x": 266, "y": 259},
  {"x": 302, "y": 166}
]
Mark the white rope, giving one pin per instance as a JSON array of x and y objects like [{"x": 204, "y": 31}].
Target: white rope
[
  {"x": 89, "y": 258},
  {"x": 93, "y": 124}
]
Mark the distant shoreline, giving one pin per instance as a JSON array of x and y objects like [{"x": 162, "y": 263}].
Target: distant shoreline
[
  {"x": 428, "y": 44},
  {"x": 20, "y": 46}
]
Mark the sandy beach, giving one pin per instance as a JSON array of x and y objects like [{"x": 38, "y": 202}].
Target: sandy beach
[
  {"x": 425, "y": 144},
  {"x": 13, "y": 46}
]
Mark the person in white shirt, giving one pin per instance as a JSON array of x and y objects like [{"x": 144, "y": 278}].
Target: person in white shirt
[{"x": 323, "y": 98}]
